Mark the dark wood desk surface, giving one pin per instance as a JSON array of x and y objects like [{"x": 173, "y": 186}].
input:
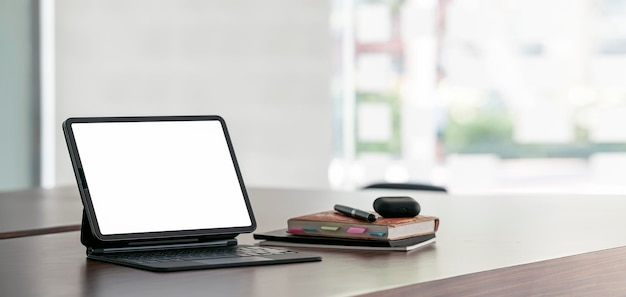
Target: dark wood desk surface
[
  {"x": 601, "y": 273},
  {"x": 477, "y": 234},
  {"x": 38, "y": 211}
]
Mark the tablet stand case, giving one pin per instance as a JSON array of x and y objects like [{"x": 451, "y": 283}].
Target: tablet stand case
[{"x": 94, "y": 245}]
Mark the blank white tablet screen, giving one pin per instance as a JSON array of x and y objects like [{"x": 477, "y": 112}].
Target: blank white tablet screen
[{"x": 160, "y": 176}]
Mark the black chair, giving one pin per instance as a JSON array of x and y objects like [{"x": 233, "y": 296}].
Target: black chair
[{"x": 406, "y": 186}]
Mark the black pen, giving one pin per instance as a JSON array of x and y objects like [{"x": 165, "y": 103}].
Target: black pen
[{"x": 355, "y": 213}]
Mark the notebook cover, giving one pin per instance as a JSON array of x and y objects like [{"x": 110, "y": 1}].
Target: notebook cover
[
  {"x": 282, "y": 235},
  {"x": 321, "y": 224}
]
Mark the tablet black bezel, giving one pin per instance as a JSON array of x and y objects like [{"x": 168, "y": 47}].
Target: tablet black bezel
[{"x": 86, "y": 198}]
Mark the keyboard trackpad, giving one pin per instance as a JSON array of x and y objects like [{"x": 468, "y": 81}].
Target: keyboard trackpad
[{"x": 233, "y": 260}]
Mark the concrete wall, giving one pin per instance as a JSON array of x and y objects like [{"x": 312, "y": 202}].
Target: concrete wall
[{"x": 263, "y": 65}]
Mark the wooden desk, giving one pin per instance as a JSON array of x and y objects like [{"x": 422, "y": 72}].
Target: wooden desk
[
  {"x": 600, "y": 273},
  {"x": 477, "y": 234},
  {"x": 38, "y": 211}
]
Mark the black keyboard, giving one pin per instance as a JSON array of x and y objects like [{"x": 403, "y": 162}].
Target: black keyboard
[{"x": 196, "y": 254}]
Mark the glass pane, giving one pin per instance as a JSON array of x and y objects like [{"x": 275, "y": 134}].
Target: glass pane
[
  {"x": 18, "y": 91},
  {"x": 488, "y": 96}
]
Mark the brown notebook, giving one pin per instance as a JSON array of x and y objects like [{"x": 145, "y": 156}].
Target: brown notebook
[{"x": 333, "y": 224}]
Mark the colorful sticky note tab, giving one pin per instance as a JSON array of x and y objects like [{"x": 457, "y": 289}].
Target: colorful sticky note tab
[
  {"x": 309, "y": 229},
  {"x": 356, "y": 230},
  {"x": 377, "y": 234},
  {"x": 330, "y": 228},
  {"x": 294, "y": 230}
]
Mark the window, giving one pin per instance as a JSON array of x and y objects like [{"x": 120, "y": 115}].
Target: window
[{"x": 483, "y": 95}]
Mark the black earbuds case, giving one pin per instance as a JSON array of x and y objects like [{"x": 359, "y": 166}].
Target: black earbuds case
[{"x": 396, "y": 207}]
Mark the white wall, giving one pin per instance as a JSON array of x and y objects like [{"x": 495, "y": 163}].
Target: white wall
[{"x": 263, "y": 65}]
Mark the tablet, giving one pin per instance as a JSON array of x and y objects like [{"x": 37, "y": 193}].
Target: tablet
[{"x": 146, "y": 178}]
